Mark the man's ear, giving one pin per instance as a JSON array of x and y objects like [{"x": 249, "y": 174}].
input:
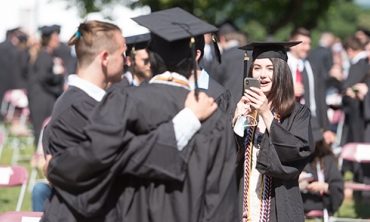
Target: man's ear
[
  {"x": 104, "y": 57},
  {"x": 199, "y": 53},
  {"x": 128, "y": 61}
]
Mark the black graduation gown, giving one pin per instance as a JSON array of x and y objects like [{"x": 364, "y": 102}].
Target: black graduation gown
[
  {"x": 209, "y": 156},
  {"x": 332, "y": 175},
  {"x": 43, "y": 89},
  {"x": 8, "y": 64},
  {"x": 283, "y": 154},
  {"x": 23, "y": 58},
  {"x": 208, "y": 192},
  {"x": 122, "y": 84},
  {"x": 222, "y": 97},
  {"x": 70, "y": 62},
  {"x": 65, "y": 129},
  {"x": 230, "y": 72}
]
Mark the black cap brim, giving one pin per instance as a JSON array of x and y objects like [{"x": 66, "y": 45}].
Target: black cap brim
[
  {"x": 137, "y": 42},
  {"x": 174, "y": 24},
  {"x": 269, "y": 49}
]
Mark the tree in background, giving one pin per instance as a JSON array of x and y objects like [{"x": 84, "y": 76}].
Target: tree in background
[{"x": 259, "y": 19}]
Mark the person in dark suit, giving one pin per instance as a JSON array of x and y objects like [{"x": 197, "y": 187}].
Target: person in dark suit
[
  {"x": 322, "y": 55},
  {"x": 309, "y": 82},
  {"x": 230, "y": 72}
]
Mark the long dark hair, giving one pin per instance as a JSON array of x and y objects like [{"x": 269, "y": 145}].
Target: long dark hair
[
  {"x": 281, "y": 95},
  {"x": 322, "y": 149}
]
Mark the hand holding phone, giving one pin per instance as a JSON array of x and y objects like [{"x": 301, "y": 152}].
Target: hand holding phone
[{"x": 306, "y": 176}]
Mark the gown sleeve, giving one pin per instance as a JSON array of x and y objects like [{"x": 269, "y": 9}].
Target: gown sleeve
[
  {"x": 284, "y": 153},
  {"x": 221, "y": 188}
]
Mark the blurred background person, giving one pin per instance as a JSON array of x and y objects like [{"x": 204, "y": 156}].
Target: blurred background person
[
  {"x": 323, "y": 189},
  {"x": 309, "y": 82},
  {"x": 65, "y": 53},
  {"x": 230, "y": 72},
  {"x": 363, "y": 35},
  {"x": 139, "y": 71},
  {"x": 322, "y": 56},
  {"x": 8, "y": 62},
  {"x": 46, "y": 79}
]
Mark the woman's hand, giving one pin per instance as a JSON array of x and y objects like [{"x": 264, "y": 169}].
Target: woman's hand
[
  {"x": 259, "y": 102},
  {"x": 242, "y": 108},
  {"x": 257, "y": 99},
  {"x": 317, "y": 187}
]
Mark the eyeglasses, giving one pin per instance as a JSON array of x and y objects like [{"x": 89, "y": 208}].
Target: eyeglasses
[{"x": 146, "y": 61}]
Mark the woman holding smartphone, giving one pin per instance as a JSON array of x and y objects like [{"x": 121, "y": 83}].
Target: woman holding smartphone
[{"x": 273, "y": 149}]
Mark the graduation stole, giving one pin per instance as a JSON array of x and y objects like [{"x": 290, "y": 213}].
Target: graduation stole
[
  {"x": 265, "y": 194},
  {"x": 171, "y": 79}
]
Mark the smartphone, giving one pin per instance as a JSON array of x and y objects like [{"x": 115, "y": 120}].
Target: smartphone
[
  {"x": 307, "y": 176},
  {"x": 251, "y": 82}
]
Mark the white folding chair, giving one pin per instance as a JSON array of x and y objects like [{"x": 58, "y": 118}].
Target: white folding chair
[
  {"x": 11, "y": 176},
  {"x": 15, "y": 216}
]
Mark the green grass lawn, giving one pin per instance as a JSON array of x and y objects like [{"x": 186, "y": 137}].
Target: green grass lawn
[{"x": 9, "y": 196}]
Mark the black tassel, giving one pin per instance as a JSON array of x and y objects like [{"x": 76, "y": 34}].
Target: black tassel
[
  {"x": 217, "y": 50},
  {"x": 193, "y": 55}
]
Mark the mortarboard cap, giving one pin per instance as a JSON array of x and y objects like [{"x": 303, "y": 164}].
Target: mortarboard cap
[
  {"x": 171, "y": 31},
  {"x": 172, "y": 35},
  {"x": 11, "y": 31},
  {"x": 137, "y": 42},
  {"x": 48, "y": 30},
  {"x": 56, "y": 28},
  {"x": 263, "y": 50}
]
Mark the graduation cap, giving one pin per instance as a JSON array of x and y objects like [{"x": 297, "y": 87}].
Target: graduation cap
[
  {"x": 137, "y": 42},
  {"x": 11, "y": 31},
  {"x": 173, "y": 33},
  {"x": 263, "y": 50},
  {"x": 56, "y": 28},
  {"x": 48, "y": 30}
]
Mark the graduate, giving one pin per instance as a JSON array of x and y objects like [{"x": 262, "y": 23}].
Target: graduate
[
  {"x": 45, "y": 80},
  {"x": 206, "y": 83},
  {"x": 137, "y": 66},
  {"x": 208, "y": 192},
  {"x": 99, "y": 47},
  {"x": 324, "y": 190},
  {"x": 139, "y": 71},
  {"x": 276, "y": 141}
]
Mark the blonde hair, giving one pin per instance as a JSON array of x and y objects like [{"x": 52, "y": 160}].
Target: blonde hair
[{"x": 91, "y": 38}]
